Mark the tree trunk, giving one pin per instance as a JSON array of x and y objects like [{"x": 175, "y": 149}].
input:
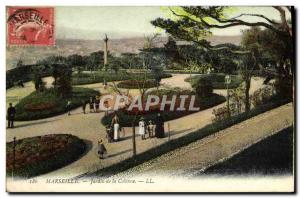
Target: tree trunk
[{"x": 247, "y": 94}]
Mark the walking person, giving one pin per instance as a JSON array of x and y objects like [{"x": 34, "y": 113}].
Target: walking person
[
  {"x": 159, "y": 129},
  {"x": 150, "y": 129},
  {"x": 91, "y": 104},
  {"x": 116, "y": 127},
  {"x": 109, "y": 134},
  {"x": 11, "y": 112},
  {"x": 142, "y": 128},
  {"x": 97, "y": 102},
  {"x": 83, "y": 106},
  {"x": 101, "y": 149},
  {"x": 116, "y": 132},
  {"x": 104, "y": 84},
  {"x": 68, "y": 107}
]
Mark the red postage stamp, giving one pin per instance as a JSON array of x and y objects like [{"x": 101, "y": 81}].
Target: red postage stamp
[{"x": 30, "y": 25}]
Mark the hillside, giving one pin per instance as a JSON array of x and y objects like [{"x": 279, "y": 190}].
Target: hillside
[{"x": 64, "y": 47}]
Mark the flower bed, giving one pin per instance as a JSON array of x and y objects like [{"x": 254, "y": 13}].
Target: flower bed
[
  {"x": 43, "y": 154},
  {"x": 136, "y": 84},
  {"x": 40, "y": 106}
]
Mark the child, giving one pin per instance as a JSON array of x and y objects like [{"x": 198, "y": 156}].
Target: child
[
  {"x": 142, "y": 128},
  {"x": 101, "y": 149}
]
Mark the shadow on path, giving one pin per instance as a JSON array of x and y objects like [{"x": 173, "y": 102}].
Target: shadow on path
[
  {"x": 89, "y": 146},
  {"x": 33, "y": 123},
  {"x": 119, "y": 153},
  {"x": 172, "y": 133}
]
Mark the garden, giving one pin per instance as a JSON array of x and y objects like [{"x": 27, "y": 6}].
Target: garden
[
  {"x": 42, "y": 154},
  {"x": 49, "y": 103}
]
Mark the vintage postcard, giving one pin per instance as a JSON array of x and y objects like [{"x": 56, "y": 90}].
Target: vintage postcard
[{"x": 150, "y": 99}]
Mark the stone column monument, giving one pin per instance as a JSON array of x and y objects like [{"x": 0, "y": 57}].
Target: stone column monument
[{"x": 105, "y": 51}]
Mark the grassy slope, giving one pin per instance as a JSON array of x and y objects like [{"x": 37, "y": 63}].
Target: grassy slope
[{"x": 274, "y": 155}]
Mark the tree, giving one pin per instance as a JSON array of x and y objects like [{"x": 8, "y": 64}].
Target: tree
[
  {"x": 194, "y": 23},
  {"x": 39, "y": 85},
  {"x": 171, "y": 50},
  {"x": 114, "y": 64},
  {"x": 76, "y": 61},
  {"x": 203, "y": 87},
  {"x": 157, "y": 72},
  {"x": 130, "y": 60},
  {"x": 95, "y": 60},
  {"x": 55, "y": 73},
  {"x": 64, "y": 82},
  {"x": 53, "y": 60}
]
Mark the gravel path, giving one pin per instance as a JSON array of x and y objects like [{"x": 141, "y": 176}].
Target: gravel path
[
  {"x": 208, "y": 151},
  {"x": 89, "y": 128}
]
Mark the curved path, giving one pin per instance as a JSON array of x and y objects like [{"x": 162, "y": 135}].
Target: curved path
[
  {"x": 192, "y": 159},
  {"x": 89, "y": 128}
]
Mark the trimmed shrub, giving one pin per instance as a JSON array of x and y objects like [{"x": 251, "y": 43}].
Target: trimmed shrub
[
  {"x": 203, "y": 87},
  {"x": 262, "y": 95}
]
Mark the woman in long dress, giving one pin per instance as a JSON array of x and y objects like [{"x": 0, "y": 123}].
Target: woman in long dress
[
  {"x": 142, "y": 128},
  {"x": 116, "y": 131},
  {"x": 159, "y": 129},
  {"x": 116, "y": 127}
]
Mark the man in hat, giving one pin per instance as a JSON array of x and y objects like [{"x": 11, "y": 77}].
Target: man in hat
[{"x": 11, "y": 112}]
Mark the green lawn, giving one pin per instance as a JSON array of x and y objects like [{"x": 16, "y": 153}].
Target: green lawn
[
  {"x": 218, "y": 80},
  {"x": 48, "y": 103}
]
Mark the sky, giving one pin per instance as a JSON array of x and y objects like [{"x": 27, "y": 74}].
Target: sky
[{"x": 124, "y": 22}]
